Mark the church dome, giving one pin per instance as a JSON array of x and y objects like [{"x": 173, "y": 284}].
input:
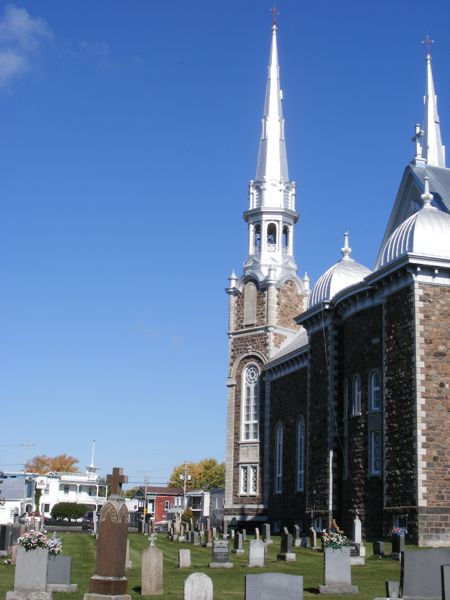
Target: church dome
[
  {"x": 344, "y": 273},
  {"x": 426, "y": 233}
]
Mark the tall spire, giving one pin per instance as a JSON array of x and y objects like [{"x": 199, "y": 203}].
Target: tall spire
[
  {"x": 272, "y": 160},
  {"x": 433, "y": 151},
  {"x": 271, "y": 214}
]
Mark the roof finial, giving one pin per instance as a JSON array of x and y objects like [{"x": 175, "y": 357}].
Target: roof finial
[
  {"x": 346, "y": 250},
  {"x": 428, "y": 41},
  {"x": 426, "y": 197},
  {"x": 275, "y": 14}
]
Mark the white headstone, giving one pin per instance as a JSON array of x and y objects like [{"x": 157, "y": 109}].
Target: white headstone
[
  {"x": 184, "y": 559},
  {"x": 198, "y": 586},
  {"x": 152, "y": 572},
  {"x": 357, "y": 536},
  {"x": 256, "y": 553}
]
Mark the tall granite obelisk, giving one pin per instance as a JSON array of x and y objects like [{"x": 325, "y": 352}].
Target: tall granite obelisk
[{"x": 109, "y": 579}]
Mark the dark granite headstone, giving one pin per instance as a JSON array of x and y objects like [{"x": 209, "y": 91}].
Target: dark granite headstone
[
  {"x": 220, "y": 555},
  {"x": 111, "y": 544},
  {"x": 378, "y": 548},
  {"x": 398, "y": 545},
  {"x": 420, "y": 575},
  {"x": 267, "y": 586},
  {"x": 238, "y": 547},
  {"x": 286, "y": 548}
]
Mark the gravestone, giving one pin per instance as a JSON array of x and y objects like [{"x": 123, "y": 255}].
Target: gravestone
[
  {"x": 109, "y": 578},
  {"x": 225, "y": 530},
  {"x": 128, "y": 563},
  {"x": 244, "y": 534},
  {"x": 398, "y": 546},
  {"x": 392, "y": 589},
  {"x": 233, "y": 533},
  {"x": 256, "y": 553},
  {"x": 266, "y": 534},
  {"x": 30, "y": 579},
  {"x": 202, "y": 538},
  {"x": 152, "y": 571},
  {"x": 357, "y": 532},
  {"x": 256, "y": 533},
  {"x": 445, "y": 578},
  {"x": 420, "y": 574},
  {"x": 378, "y": 549},
  {"x": 238, "y": 544},
  {"x": 297, "y": 539},
  {"x": 209, "y": 543},
  {"x": 305, "y": 542},
  {"x": 313, "y": 538},
  {"x": 196, "y": 538},
  {"x": 267, "y": 586},
  {"x": 198, "y": 586},
  {"x": 337, "y": 572},
  {"x": 184, "y": 559},
  {"x": 220, "y": 555},
  {"x": 214, "y": 533},
  {"x": 286, "y": 548},
  {"x": 59, "y": 570}
]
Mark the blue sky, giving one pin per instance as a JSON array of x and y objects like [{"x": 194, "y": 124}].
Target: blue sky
[{"x": 129, "y": 133}]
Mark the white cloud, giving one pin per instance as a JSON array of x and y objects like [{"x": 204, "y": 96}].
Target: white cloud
[{"x": 21, "y": 37}]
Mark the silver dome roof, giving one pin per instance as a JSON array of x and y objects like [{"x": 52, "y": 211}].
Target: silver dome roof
[
  {"x": 425, "y": 233},
  {"x": 344, "y": 273}
]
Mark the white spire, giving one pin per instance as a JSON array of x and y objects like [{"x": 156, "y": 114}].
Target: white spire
[
  {"x": 433, "y": 151},
  {"x": 346, "y": 250},
  {"x": 272, "y": 160},
  {"x": 271, "y": 215},
  {"x": 426, "y": 197},
  {"x": 92, "y": 469}
]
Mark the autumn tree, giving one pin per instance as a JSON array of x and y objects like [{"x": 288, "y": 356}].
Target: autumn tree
[
  {"x": 206, "y": 474},
  {"x": 63, "y": 463}
]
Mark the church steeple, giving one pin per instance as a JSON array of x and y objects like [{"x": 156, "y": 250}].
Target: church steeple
[
  {"x": 431, "y": 149},
  {"x": 271, "y": 214}
]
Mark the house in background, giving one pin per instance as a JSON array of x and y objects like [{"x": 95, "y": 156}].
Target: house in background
[
  {"x": 16, "y": 495},
  {"x": 159, "y": 502}
]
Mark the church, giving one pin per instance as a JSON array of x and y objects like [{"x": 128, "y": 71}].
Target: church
[{"x": 338, "y": 393}]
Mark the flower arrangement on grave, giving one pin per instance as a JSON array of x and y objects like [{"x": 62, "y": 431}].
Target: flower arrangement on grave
[
  {"x": 333, "y": 539},
  {"x": 399, "y": 531},
  {"x": 32, "y": 540},
  {"x": 54, "y": 545}
]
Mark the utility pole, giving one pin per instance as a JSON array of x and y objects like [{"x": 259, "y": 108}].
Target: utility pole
[{"x": 185, "y": 478}]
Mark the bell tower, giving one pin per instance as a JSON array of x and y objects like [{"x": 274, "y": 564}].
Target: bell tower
[{"x": 263, "y": 302}]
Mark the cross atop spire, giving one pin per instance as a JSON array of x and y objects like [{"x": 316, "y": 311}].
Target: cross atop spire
[
  {"x": 429, "y": 147},
  {"x": 275, "y": 14},
  {"x": 428, "y": 41}
]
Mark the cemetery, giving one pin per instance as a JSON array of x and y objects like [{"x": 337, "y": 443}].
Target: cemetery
[{"x": 172, "y": 562}]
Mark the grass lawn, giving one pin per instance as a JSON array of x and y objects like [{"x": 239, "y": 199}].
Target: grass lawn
[{"x": 228, "y": 583}]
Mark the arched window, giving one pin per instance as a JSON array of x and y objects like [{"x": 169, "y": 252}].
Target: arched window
[
  {"x": 250, "y": 303},
  {"x": 250, "y": 390},
  {"x": 285, "y": 239},
  {"x": 257, "y": 238},
  {"x": 345, "y": 436},
  {"x": 301, "y": 454},
  {"x": 356, "y": 400},
  {"x": 271, "y": 237},
  {"x": 278, "y": 458},
  {"x": 375, "y": 391}
]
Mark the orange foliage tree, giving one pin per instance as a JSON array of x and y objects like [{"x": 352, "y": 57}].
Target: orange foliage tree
[{"x": 63, "y": 463}]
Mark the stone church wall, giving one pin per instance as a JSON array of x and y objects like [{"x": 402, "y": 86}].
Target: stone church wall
[
  {"x": 318, "y": 426},
  {"x": 289, "y": 304},
  {"x": 360, "y": 351},
  {"x": 434, "y": 313},
  {"x": 288, "y": 400},
  {"x": 400, "y": 413},
  {"x": 260, "y": 310}
]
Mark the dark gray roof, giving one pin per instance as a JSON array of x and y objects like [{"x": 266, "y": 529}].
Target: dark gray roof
[
  {"x": 12, "y": 488},
  {"x": 439, "y": 182},
  {"x": 291, "y": 348}
]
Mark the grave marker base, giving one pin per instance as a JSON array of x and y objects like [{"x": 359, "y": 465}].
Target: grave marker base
[
  {"x": 28, "y": 595},
  {"x": 338, "y": 589},
  {"x": 62, "y": 587},
  {"x": 221, "y": 565},
  {"x": 91, "y": 596},
  {"x": 287, "y": 556}
]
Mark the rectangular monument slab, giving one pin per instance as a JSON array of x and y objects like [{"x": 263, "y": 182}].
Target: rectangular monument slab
[
  {"x": 420, "y": 575},
  {"x": 267, "y": 586},
  {"x": 337, "y": 572}
]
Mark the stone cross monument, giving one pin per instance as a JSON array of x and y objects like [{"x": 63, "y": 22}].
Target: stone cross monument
[{"x": 109, "y": 579}]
